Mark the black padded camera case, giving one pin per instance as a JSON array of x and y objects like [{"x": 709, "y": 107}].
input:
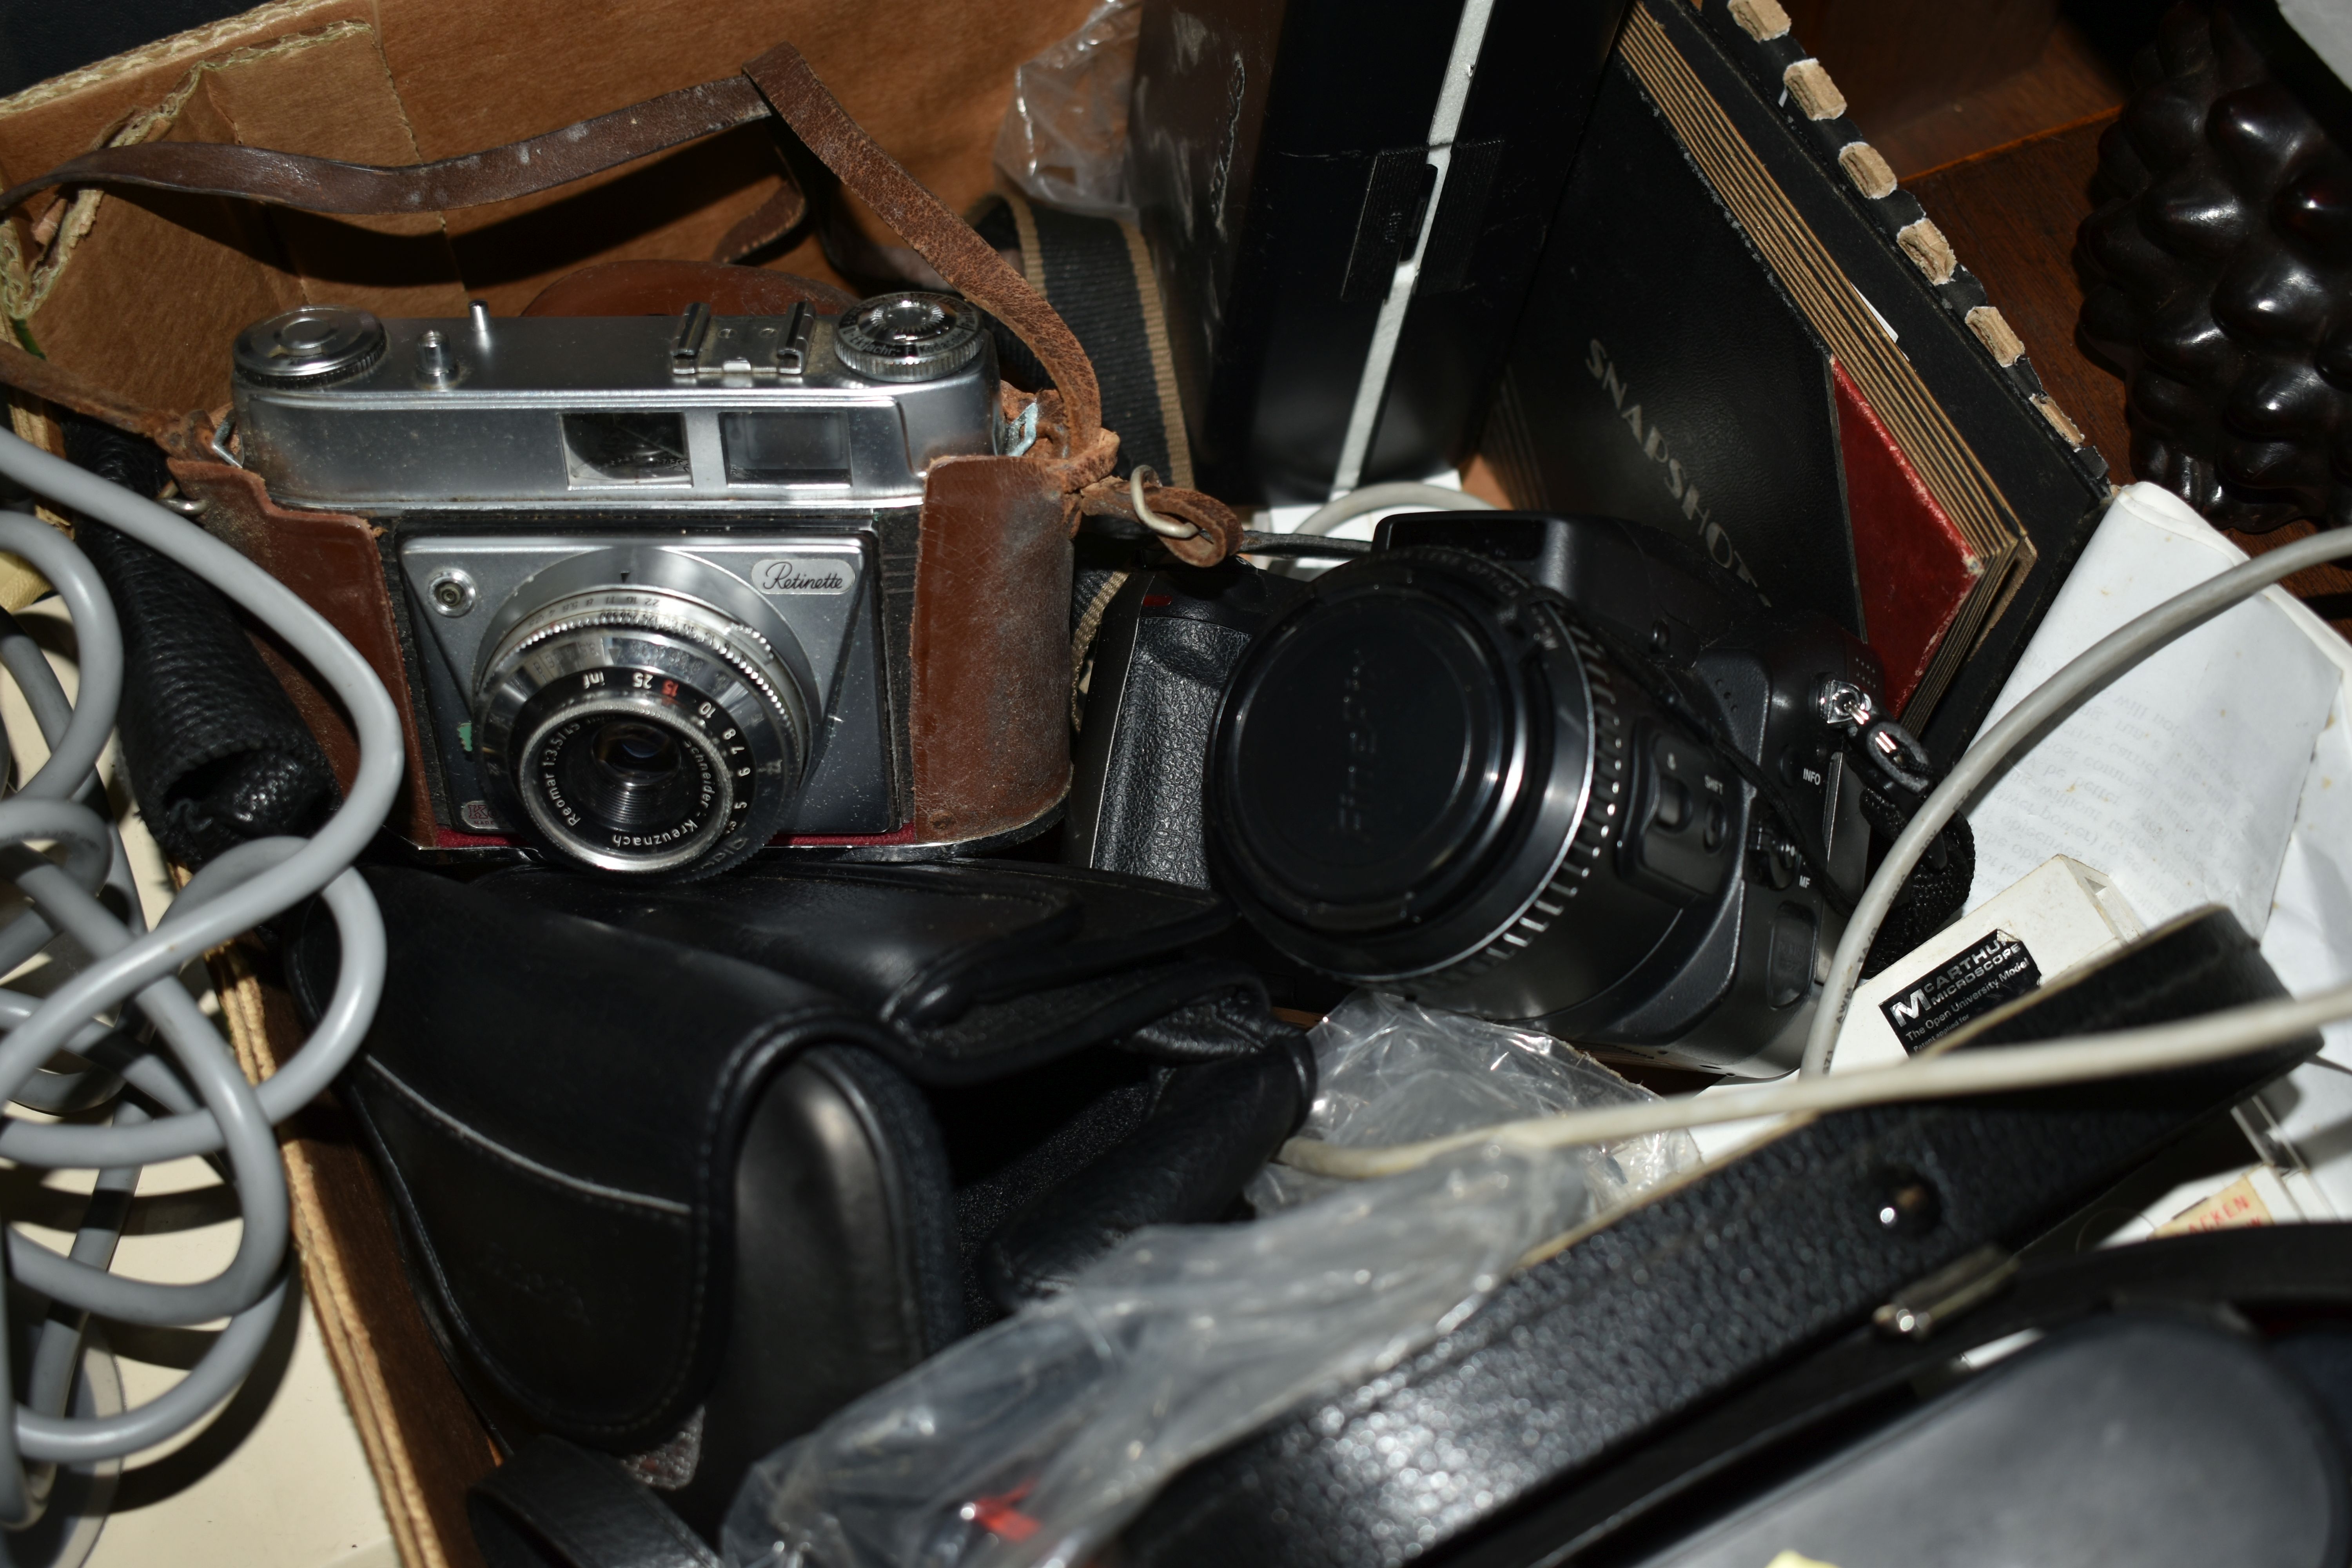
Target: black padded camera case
[
  {"x": 1500, "y": 1443},
  {"x": 682, "y": 1170}
]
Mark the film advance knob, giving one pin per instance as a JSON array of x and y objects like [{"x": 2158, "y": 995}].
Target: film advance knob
[
  {"x": 313, "y": 343},
  {"x": 907, "y": 336}
]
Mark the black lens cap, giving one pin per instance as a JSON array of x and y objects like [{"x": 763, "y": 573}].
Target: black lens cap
[{"x": 1371, "y": 749}]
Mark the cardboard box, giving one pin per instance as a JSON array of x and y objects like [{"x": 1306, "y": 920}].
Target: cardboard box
[
  {"x": 143, "y": 290},
  {"x": 143, "y": 293}
]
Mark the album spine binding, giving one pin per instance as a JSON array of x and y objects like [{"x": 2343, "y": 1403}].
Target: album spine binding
[{"x": 1759, "y": 37}]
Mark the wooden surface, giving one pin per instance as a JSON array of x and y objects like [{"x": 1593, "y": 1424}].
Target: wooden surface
[
  {"x": 2011, "y": 214},
  {"x": 1896, "y": 59},
  {"x": 2068, "y": 81}
]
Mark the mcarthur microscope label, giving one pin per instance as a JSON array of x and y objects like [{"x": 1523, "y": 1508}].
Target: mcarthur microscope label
[{"x": 1962, "y": 987}]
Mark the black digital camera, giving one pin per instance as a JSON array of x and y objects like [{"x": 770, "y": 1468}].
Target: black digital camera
[
  {"x": 1559, "y": 771},
  {"x": 1157, "y": 669}
]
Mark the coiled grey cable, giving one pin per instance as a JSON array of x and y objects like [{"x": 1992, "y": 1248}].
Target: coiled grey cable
[{"x": 127, "y": 1002}]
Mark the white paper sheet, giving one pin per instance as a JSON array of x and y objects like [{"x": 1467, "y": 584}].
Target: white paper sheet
[{"x": 2183, "y": 780}]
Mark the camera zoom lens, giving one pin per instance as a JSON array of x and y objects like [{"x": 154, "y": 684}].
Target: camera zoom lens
[
  {"x": 1410, "y": 788},
  {"x": 640, "y": 729}
]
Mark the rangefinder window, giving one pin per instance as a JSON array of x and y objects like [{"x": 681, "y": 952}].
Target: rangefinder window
[
  {"x": 626, "y": 446},
  {"x": 790, "y": 448}
]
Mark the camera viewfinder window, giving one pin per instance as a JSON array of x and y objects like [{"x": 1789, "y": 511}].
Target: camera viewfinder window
[
  {"x": 626, "y": 446},
  {"x": 797, "y": 449}
]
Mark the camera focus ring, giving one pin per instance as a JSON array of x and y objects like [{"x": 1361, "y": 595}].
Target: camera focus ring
[
  {"x": 1602, "y": 819},
  {"x": 747, "y": 663}
]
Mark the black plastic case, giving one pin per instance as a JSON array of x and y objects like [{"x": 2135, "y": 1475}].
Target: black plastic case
[{"x": 1280, "y": 155}]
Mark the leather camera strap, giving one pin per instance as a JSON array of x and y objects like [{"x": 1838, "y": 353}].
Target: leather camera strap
[
  {"x": 552, "y": 1505},
  {"x": 327, "y": 185},
  {"x": 779, "y": 81},
  {"x": 940, "y": 238}
]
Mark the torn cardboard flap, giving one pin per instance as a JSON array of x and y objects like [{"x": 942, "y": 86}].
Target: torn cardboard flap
[
  {"x": 141, "y": 291},
  {"x": 53, "y": 120},
  {"x": 333, "y": 91},
  {"x": 137, "y": 299}
]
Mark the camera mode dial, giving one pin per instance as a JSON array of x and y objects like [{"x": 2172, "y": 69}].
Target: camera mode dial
[
  {"x": 907, "y": 336},
  {"x": 310, "y": 346}
]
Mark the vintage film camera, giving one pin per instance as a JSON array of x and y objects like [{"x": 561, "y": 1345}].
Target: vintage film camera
[
  {"x": 1487, "y": 766},
  {"x": 654, "y": 576}
]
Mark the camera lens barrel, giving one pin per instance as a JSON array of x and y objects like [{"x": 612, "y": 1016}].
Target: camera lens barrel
[
  {"x": 1419, "y": 781},
  {"x": 643, "y": 717}
]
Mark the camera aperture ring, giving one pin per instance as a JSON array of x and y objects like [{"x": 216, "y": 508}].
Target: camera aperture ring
[{"x": 746, "y": 669}]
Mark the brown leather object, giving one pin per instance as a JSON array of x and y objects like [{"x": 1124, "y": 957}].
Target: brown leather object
[
  {"x": 330, "y": 560},
  {"x": 764, "y": 225},
  {"x": 941, "y": 238},
  {"x": 666, "y": 287},
  {"x": 71, "y": 389},
  {"x": 326, "y": 186},
  {"x": 1219, "y": 531},
  {"x": 990, "y": 657},
  {"x": 989, "y": 720},
  {"x": 781, "y": 76}
]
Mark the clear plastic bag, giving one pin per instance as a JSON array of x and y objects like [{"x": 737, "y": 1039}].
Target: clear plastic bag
[
  {"x": 1034, "y": 1440},
  {"x": 1064, "y": 140},
  {"x": 1389, "y": 1071}
]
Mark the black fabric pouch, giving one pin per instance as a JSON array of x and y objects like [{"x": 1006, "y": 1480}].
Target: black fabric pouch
[
  {"x": 681, "y": 1170},
  {"x": 215, "y": 751}
]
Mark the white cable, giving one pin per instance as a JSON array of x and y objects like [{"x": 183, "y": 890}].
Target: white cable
[
  {"x": 2188, "y": 1043},
  {"x": 2216, "y": 1035},
  {"x": 177, "y": 1057},
  {"x": 2022, "y": 725},
  {"x": 1388, "y": 497}
]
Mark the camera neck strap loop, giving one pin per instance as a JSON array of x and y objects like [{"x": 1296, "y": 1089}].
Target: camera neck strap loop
[{"x": 1217, "y": 531}]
